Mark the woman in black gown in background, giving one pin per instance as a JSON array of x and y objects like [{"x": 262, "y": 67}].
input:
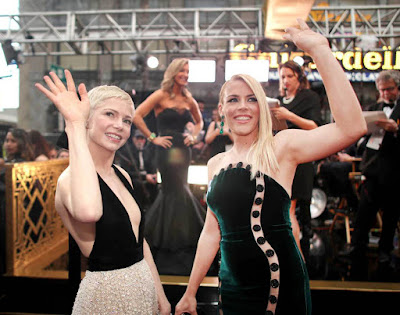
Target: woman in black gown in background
[{"x": 175, "y": 220}]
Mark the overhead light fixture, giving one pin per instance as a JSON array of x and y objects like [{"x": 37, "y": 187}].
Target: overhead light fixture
[
  {"x": 299, "y": 60},
  {"x": 202, "y": 70},
  {"x": 152, "y": 62},
  {"x": 258, "y": 69}
]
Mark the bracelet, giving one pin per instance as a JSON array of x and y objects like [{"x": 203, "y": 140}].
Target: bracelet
[{"x": 151, "y": 137}]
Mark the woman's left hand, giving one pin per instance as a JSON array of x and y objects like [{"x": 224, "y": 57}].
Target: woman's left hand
[{"x": 189, "y": 139}]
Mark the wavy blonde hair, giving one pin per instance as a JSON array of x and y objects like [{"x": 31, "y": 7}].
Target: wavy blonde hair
[
  {"x": 261, "y": 154},
  {"x": 168, "y": 81}
]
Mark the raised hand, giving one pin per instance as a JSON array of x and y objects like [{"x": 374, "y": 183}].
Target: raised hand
[
  {"x": 304, "y": 38},
  {"x": 65, "y": 98}
]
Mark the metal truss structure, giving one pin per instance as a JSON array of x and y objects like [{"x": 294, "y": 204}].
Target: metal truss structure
[{"x": 184, "y": 30}]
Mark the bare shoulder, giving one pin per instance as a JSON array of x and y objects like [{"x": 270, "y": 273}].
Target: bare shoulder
[
  {"x": 125, "y": 173},
  {"x": 160, "y": 93},
  {"x": 215, "y": 162},
  {"x": 156, "y": 97}
]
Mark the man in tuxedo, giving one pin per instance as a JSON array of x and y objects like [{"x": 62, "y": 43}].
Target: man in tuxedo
[
  {"x": 381, "y": 167},
  {"x": 137, "y": 158}
]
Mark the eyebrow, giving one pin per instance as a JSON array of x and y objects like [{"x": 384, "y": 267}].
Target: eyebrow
[
  {"x": 115, "y": 111},
  {"x": 235, "y": 95}
]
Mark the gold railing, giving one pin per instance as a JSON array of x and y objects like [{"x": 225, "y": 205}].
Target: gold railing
[{"x": 35, "y": 234}]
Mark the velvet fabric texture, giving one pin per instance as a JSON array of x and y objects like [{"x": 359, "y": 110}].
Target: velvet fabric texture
[{"x": 245, "y": 270}]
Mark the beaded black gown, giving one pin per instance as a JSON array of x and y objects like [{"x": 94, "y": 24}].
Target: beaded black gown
[
  {"x": 175, "y": 219},
  {"x": 261, "y": 268}
]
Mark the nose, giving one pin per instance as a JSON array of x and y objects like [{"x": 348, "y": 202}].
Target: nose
[
  {"x": 242, "y": 103},
  {"x": 118, "y": 124}
]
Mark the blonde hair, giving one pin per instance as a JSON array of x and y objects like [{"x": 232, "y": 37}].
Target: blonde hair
[
  {"x": 168, "y": 81},
  {"x": 261, "y": 155},
  {"x": 101, "y": 93}
]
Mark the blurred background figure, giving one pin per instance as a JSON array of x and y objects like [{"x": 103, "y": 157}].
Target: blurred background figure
[
  {"x": 381, "y": 167},
  {"x": 300, "y": 107},
  {"x": 63, "y": 154},
  {"x": 176, "y": 218},
  {"x": 52, "y": 151},
  {"x": 137, "y": 157},
  {"x": 216, "y": 140},
  {"x": 17, "y": 148},
  {"x": 41, "y": 148}
]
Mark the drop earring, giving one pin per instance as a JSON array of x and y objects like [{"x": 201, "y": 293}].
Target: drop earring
[{"x": 221, "y": 130}]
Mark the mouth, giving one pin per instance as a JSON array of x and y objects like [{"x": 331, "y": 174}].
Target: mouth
[
  {"x": 242, "y": 118},
  {"x": 114, "y": 137}
]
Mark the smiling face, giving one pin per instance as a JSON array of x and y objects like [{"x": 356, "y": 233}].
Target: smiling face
[
  {"x": 240, "y": 107},
  {"x": 110, "y": 123},
  {"x": 181, "y": 78}
]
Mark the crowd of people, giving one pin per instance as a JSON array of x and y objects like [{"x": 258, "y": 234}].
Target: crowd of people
[{"x": 133, "y": 225}]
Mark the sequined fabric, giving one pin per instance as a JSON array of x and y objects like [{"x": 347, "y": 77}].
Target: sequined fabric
[{"x": 122, "y": 291}]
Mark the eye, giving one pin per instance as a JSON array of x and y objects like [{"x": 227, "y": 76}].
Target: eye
[
  {"x": 252, "y": 99},
  {"x": 231, "y": 100},
  {"x": 110, "y": 114},
  {"x": 128, "y": 122}
]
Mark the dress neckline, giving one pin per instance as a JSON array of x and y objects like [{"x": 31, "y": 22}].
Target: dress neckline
[
  {"x": 240, "y": 165},
  {"x": 130, "y": 189},
  {"x": 180, "y": 111}
]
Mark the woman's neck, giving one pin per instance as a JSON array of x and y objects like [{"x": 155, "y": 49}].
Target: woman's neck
[
  {"x": 241, "y": 146},
  {"x": 177, "y": 89},
  {"x": 102, "y": 159},
  {"x": 290, "y": 94}
]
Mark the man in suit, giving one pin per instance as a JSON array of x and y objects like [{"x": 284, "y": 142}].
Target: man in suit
[
  {"x": 381, "y": 167},
  {"x": 137, "y": 158}
]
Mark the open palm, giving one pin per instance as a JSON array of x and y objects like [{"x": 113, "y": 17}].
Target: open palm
[
  {"x": 304, "y": 38},
  {"x": 66, "y": 99}
]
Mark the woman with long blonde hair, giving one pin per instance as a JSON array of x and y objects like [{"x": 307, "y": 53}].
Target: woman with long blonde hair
[
  {"x": 262, "y": 270},
  {"x": 176, "y": 218}
]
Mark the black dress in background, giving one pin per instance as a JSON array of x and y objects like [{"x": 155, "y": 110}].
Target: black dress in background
[
  {"x": 219, "y": 143},
  {"x": 305, "y": 104},
  {"x": 176, "y": 218}
]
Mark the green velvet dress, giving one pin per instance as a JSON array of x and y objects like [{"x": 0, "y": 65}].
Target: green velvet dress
[{"x": 261, "y": 268}]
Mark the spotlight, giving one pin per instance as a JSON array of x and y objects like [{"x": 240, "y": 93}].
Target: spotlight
[
  {"x": 152, "y": 62},
  {"x": 299, "y": 60}
]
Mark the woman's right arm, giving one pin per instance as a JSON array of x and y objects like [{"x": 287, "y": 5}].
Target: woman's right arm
[
  {"x": 83, "y": 197},
  {"x": 143, "y": 110},
  {"x": 207, "y": 248}
]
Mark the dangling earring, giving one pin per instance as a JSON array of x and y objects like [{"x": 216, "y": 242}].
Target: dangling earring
[{"x": 221, "y": 130}]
